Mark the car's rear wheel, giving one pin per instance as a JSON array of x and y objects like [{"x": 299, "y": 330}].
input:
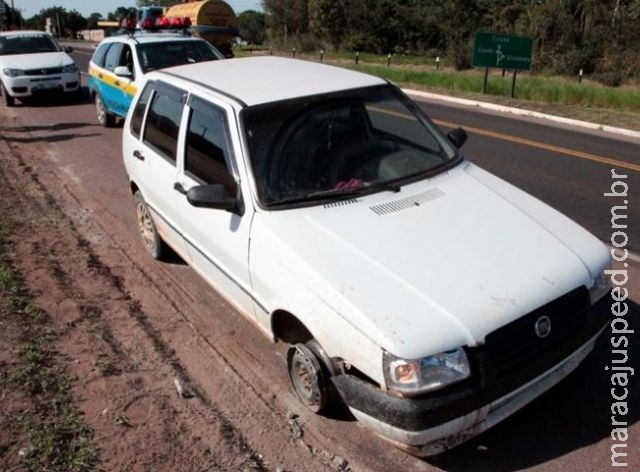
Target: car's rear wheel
[
  {"x": 105, "y": 118},
  {"x": 7, "y": 99},
  {"x": 151, "y": 239},
  {"x": 308, "y": 378}
]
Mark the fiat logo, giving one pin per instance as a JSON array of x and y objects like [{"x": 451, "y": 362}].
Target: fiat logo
[{"x": 542, "y": 327}]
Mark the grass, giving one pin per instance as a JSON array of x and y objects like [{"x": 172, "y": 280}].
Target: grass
[
  {"x": 56, "y": 437},
  {"x": 535, "y": 88}
]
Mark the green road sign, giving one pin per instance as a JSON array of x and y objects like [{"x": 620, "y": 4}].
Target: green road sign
[{"x": 502, "y": 51}]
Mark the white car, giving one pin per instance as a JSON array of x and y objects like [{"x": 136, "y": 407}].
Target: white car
[
  {"x": 430, "y": 296},
  {"x": 32, "y": 62}
]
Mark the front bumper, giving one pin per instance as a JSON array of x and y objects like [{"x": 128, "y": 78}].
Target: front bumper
[
  {"x": 431, "y": 424},
  {"x": 26, "y": 86}
]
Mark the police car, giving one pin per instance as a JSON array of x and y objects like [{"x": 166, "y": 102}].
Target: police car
[{"x": 119, "y": 62}]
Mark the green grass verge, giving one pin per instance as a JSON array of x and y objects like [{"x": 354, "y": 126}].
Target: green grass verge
[{"x": 542, "y": 89}]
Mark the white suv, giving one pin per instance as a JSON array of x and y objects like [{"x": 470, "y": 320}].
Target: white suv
[
  {"x": 32, "y": 62},
  {"x": 430, "y": 296}
]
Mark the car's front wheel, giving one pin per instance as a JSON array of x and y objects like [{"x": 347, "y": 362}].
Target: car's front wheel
[
  {"x": 151, "y": 239},
  {"x": 308, "y": 378},
  {"x": 7, "y": 99},
  {"x": 105, "y": 118}
]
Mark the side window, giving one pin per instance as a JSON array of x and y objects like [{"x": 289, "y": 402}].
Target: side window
[
  {"x": 112, "y": 59},
  {"x": 163, "y": 121},
  {"x": 100, "y": 54},
  {"x": 138, "y": 112},
  {"x": 126, "y": 60},
  {"x": 208, "y": 152}
]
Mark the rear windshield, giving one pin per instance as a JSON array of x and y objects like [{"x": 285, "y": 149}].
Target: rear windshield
[
  {"x": 27, "y": 44},
  {"x": 174, "y": 53}
]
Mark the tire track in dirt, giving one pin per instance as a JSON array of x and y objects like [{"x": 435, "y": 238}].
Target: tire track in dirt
[{"x": 54, "y": 262}]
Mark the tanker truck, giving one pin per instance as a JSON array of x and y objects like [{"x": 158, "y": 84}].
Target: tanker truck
[{"x": 211, "y": 20}]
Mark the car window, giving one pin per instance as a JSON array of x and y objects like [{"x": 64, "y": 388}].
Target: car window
[
  {"x": 113, "y": 57},
  {"x": 27, "y": 44},
  {"x": 361, "y": 141},
  {"x": 207, "y": 152},
  {"x": 163, "y": 120},
  {"x": 173, "y": 53},
  {"x": 138, "y": 112},
  {"x": 100, "y": 54}
]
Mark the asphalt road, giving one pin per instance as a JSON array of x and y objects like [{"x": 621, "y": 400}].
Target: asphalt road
[
  {"x": 566, "y": 429},
  {"x": 568, "y": 169}
]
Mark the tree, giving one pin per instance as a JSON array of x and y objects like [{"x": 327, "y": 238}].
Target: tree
[
  {"x": 92, "y": 22},
  {"x": 63, "y": 22},
  {"x": 252, "y": 26},
  {"x": 285, "y": 18}
]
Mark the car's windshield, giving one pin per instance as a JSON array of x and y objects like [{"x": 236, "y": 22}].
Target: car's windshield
[
  {"x": 337, "y": 146},
  {"x": 27, "y": 44},
  {"x": 174, "y": 53}
]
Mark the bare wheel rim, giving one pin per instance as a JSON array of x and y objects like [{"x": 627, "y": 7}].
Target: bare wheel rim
[
  {"x": 145, "y": 226},
  {"x": 304, "y": 376}
]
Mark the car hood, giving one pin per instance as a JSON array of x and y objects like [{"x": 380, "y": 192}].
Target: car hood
[
  {"x": 442, "y": 263},
  {"x": 43, "y": 60}
]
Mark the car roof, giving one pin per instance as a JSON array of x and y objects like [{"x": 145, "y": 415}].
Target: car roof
[
  {"x": 257, "y": 80},
  {"x": 23, "y": 33},
  {"x": 143, "y": 38}
]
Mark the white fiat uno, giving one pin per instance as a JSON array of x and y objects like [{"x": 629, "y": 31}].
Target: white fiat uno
[{"x": 430, "y": 296}]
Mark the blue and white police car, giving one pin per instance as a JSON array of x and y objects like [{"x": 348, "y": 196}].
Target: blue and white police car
[{"x": 120, "y": 61}]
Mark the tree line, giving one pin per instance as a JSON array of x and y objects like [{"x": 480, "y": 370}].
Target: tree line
[{"x": 601, "y": 37}]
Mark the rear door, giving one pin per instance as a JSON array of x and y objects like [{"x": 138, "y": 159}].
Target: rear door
[{"x": 151, "y": 155}]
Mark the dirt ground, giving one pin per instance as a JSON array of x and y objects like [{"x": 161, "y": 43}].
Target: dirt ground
[{"x": 87, "y": 382}]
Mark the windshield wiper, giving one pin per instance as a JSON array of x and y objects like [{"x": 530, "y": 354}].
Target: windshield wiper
[{"x": 340, "y": 194}]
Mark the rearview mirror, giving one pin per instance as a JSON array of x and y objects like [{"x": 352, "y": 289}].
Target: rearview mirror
[
  {"x": 458, "y": 137},
  {"x": 213, "y": 196},
  {"x": 122, "y": 71}
]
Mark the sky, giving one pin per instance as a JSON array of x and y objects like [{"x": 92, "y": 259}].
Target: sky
[{"x": 30, "y": 8}]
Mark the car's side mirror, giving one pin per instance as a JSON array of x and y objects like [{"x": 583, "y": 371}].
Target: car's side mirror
[
  {"x": 68, "y": 49},
  {"x": 122, "y": 71},
  {"x": 214, "y": 196},
  {"x": 458, "y": 137}
]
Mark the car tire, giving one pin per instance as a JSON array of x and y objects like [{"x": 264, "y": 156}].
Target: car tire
[
  {"x": 105, "y": 118},
  {"x": 149, "y": 235},
  {"x": 308, "y": 378},
  {"x": 7, "y": 99}
]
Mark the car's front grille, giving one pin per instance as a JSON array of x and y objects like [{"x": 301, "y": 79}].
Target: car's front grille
[
  {"x": 515, "y": 353},
  {"x": 44, "y": 71}
]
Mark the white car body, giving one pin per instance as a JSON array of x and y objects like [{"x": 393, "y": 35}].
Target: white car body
[
  {"x": 26, "y": 74},
  {"x": 442, "y": 262}
]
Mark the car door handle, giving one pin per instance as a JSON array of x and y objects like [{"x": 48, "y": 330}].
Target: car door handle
[
  {"x": 138, "y": 155},
  {"x": 178, "y": 187}
]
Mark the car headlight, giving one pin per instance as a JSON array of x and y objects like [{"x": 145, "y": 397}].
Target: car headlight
[
  {"x": 13, "y": 72},
  {"x": 415, "y": 376},
  {"x": 601, "y": 287},
  {"x": 69, "y": 69}
]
